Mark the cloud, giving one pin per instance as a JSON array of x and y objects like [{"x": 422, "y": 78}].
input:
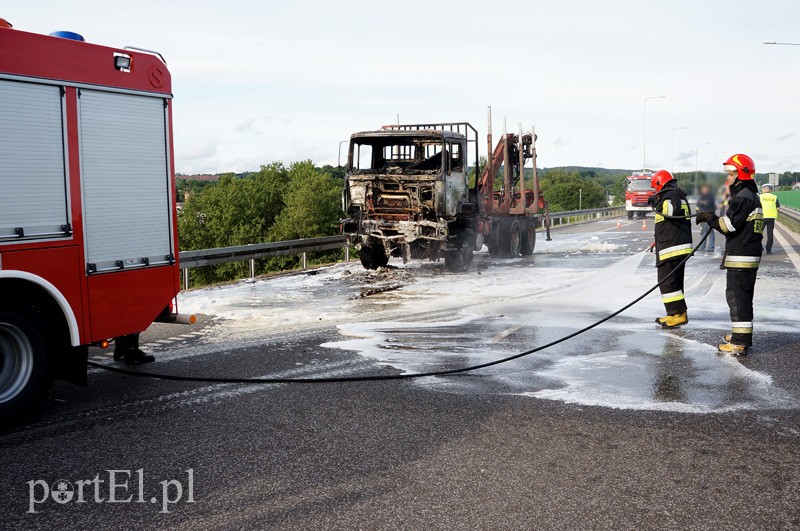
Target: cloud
[
  {"x": 193, "y": 151},
  {"x": 787, "y": 136},
  {"x": 685, "y": 156},
  {"x": 561, "y": 142}
]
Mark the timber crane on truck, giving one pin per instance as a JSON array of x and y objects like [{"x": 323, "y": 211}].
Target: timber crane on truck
[{"x": 407, "y": 194}]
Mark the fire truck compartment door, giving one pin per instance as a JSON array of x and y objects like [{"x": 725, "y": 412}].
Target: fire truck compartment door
[
  {"x": 33, "y": 193},
  {"x": 125, "y": 176}
]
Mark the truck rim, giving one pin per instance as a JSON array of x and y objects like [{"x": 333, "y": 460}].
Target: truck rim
[{"x": 16, "y": 361}]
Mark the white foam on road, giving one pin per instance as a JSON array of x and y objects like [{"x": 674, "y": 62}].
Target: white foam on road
[{"x": 514, "y": 305}]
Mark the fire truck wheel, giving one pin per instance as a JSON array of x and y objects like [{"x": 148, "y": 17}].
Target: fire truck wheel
[
  {"x": 630, "y": 214},
  {"x": 641, "y": 215},
  {"x": 24, "y": 378},
  {"x": 528, "y": 238}
]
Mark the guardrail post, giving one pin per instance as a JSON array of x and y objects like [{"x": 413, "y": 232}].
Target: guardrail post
[
  {"x": 346, "y": 253},
  {"x": 252, "y": 268},
  {"x": 186, "y": 278},
  {"x": 304, "y": 260}
]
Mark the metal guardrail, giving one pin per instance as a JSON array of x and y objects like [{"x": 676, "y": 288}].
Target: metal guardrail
[
  {"x": 253, "y": 252},
  {"x": 790, "y": 213},
  {"x": 240, "y": 253},
  {"x": 557, "y": 218}
]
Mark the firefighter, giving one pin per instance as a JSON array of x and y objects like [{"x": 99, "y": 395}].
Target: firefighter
[
  {"x": 126, "y": 350},
  {"x": 770, "y": 205},
  {"x": 673, "y": 243},
  {"x": 742, "y": 225}
]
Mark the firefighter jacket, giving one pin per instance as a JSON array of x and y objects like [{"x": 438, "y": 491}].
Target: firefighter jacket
[
  {"x": 770, "y": 205},
  {"x": 742, "y": 225},
  {"x": 673, "y": 236}
]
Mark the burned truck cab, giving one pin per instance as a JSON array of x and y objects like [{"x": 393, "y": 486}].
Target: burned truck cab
[{"x": 404, "y": 191}]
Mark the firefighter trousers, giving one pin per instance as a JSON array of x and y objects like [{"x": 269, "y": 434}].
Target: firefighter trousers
[
  {"x": 672, "y": 289},
  {"x": 739, "y": 293}
]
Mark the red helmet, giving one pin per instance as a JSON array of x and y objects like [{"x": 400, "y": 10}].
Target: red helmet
[
  {"x": 743, "y": 165},
  {"x": 660, "y": 178}
]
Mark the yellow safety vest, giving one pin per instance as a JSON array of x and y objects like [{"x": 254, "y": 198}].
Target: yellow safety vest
[{"x": 768, "y": 205}]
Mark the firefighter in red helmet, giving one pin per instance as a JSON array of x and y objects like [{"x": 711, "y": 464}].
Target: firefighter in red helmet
[
  {"x": 673, "y": 243},
  {"x": 742, "y": 225}
]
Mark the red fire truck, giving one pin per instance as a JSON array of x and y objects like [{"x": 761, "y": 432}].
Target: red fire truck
[
  {"x": 637, "y": 192},
  {"x": 88, "y": 243}
]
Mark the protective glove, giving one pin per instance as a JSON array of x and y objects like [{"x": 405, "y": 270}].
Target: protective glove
[{"x": 704, "y": 217}]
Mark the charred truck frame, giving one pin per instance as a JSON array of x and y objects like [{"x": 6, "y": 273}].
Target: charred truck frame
[{"x": 407, "y": 194}]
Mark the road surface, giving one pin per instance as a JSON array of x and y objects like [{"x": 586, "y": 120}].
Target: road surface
[{"x": 625, "y": 426}]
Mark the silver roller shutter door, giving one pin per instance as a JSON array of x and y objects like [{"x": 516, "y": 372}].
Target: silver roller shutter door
[
  {"x": 33, "y": 196},
  {"x": 125, "y": 181}
]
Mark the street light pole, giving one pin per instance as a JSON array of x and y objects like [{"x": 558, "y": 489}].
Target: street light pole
[
  {"x": 672, "y": 150},
  {"x": 644, "y": 131},
  {"x": 580, "y": 199},
  {"x": 696, "y": 152}
]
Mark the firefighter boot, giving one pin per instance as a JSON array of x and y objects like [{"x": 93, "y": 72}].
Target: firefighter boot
[
  {"x": 674, "y": 320},
  {"x": 137, "y": 357},
  {"x": 732, "y": 349}
]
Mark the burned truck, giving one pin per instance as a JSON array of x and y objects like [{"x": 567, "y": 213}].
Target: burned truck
[{"x": 407, "y": 194}]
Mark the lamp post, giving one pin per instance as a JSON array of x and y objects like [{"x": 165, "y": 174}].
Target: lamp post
[
  {"x": 644, "y": 131},
  {"x": 696, "y": 152},
  {"x": 672, "y": 150},
  {"x": 580, "y": 199}
]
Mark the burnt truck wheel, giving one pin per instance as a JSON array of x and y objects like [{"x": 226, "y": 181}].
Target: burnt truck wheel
[
  {"x": 630, "y": 214},
  {"x": 528, "y": 238},
  {"x": 509, "y": 238},
  {"x": 458, "y": 260},
  {"x": 24, "y": 378},
  {"x": 373, "y": 257}
]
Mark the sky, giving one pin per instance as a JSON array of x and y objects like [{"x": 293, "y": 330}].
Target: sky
[{"x": 262, "y": 81}]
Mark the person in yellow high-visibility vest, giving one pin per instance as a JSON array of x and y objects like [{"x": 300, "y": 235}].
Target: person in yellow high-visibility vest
[{"x": 770, "y": 206}]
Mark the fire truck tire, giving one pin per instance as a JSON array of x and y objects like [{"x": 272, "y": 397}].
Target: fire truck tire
[
  {"x": 528, "y": 238},
  {"x": 373, "y": 257},
  {"x": 510, "y": 238},
  {"x": 630, "y": 214},
  {"x": 641, "y": 214},
  {"x": 24, "y": 376}
]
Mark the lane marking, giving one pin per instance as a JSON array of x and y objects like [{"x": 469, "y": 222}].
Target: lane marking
[
  {"x": 504, "y": 334},
  {"x": 165, "y": 341},
  {"x": 790, "y": 252}
]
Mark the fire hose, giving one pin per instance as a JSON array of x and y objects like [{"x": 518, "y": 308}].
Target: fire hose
[{"x": 405, "y": 376}]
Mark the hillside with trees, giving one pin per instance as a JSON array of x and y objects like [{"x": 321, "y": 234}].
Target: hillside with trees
[{"x": 275, "y": 203}]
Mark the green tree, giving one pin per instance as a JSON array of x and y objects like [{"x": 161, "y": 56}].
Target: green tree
[
  {"x": 568, "y": 190},
  {"x": 233, "y": 212},
  {"x": 313, "y": 208}
]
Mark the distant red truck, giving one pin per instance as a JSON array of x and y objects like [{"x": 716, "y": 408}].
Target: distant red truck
[
  {"x": 637, "y": 192},
  {"x": 88, "y": 242}
]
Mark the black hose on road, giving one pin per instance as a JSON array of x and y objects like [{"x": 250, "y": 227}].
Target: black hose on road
[{"x": 446, "y": 372}]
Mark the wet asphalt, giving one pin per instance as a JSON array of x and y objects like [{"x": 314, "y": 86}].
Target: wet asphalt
[{"x": 394, "y": 455}]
